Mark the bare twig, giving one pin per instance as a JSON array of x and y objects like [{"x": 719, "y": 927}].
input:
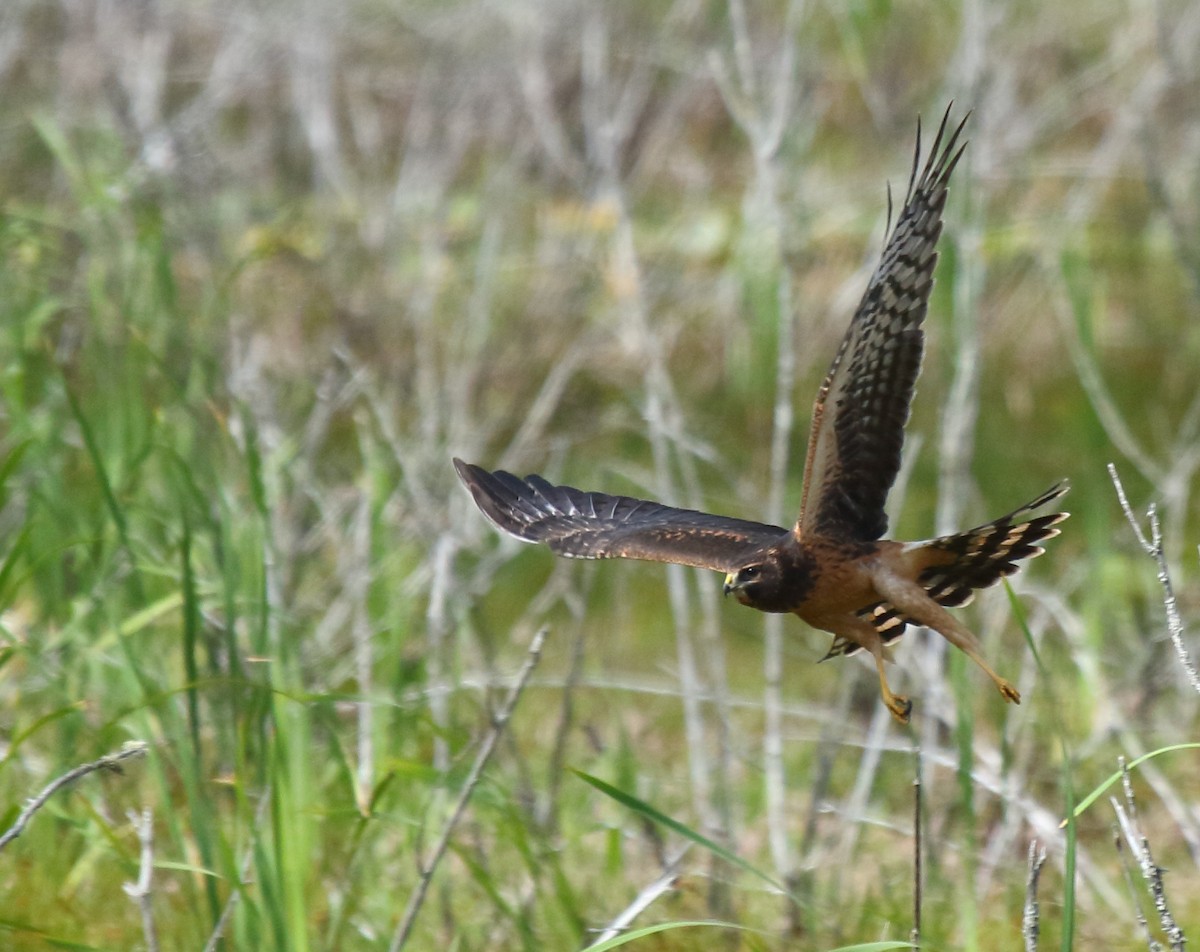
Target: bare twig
[
  {"x": 548, "y": 816},
  {"x": 133, "y": 748},
  {"x": 499, "y": 722},
  {"x": 1030, "y": 921},
  {"x": 1151, "y": 872},
  {"x": 139, "y": 892},
  {"x": 917, "y": 806},
  {"x": 644, "y": 899},
  {"x": 442, "y": 562},
  {"x": 1154, "y": 548},
  {"x": 763, "y": 116},
  {"x": 606, "y": 128},
  {"x": 1143, "y": 925},
  {"x": 1109, "y": 414},
  {"x": 1176, "y": 804},
  {"x": 859, "y": 798}
]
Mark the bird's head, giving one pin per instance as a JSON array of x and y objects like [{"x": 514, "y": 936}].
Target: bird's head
[
  {"x": 756, "y": 585},
  {"x": 774, "y": 580}
]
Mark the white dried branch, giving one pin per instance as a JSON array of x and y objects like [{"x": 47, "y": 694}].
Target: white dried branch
[
  {"x": 1153, "y": 547},
  {"x": 112, "y": 762},
  {"x": 644, "y": 899},
  {"x": 499, "y": 723},
  {"x": 139, "y": 891},
  {"x": 1030, "y": 919},
  {"x": 1152, "y": 873}
]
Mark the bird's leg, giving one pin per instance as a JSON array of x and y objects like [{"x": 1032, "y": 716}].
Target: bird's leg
[
  {"x": 864, "y": 634},
  {"x": 900, "y": 706},
  {"x": 911, "y": 599},
  {"x": 1007, "y": 691}
]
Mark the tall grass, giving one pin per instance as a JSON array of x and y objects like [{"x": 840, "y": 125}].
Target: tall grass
[{"x": 266, "y": 268}]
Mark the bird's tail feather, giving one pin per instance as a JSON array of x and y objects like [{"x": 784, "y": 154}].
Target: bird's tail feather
[{"x": 980, "y": 557}]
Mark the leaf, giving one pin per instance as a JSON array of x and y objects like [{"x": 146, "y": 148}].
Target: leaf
[
  {"x": 1099, "y": 791},
  {"x": 640, "y": 806},
  {"x": 627, "y": 937}
]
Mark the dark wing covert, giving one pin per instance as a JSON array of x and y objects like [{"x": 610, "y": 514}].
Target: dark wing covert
[{"x": 599, "y": 526}]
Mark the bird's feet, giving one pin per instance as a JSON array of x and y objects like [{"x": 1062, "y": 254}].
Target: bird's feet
[
  {"x": 1007, "y": 690},
  {"x": 900, "y": 706}
]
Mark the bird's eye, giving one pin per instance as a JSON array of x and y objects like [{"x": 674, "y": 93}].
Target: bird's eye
[{"x": 750, "y": 571}]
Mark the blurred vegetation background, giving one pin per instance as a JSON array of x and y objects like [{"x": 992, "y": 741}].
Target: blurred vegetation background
[{"x": 266, "y": 267}]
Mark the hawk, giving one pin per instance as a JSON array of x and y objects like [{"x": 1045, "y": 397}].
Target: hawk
[{"x": 833, "y": 568}]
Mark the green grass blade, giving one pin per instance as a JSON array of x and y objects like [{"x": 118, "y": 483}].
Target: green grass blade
[
  {"x": 886, "y": 946},
  {"x": 9, "y": 466},
  {"x": 640, "y": 806},
  {"x": 626, "y": 937},
  {"x": 11, "y": 559},
  {"x": 106, "y": 487},
  {"x": 191, "y": 668},
  {"x": 1095, "y": 795}
]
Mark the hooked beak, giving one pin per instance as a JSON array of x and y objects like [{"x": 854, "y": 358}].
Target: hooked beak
[{"x": 729, "y": 584}]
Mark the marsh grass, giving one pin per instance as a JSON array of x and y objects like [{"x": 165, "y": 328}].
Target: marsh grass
[{"x": 264, "y": 270}]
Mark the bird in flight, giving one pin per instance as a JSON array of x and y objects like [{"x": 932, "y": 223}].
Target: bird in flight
[{"x": 833, "y": 568}]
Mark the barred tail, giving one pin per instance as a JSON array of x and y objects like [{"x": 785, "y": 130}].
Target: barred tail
[{"x": 982, "y": 556}]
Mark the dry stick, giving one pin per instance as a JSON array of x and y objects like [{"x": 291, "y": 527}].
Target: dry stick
[
  {"x": 499, "y": 722},
  {"x": 1151, "y": 943},
  {"x": 663, "y": 420},
  {"x": 989, "y": 776},
  {"x": 724, "y": 796},
  {"x": 916, "y": 929},
  {"x": 1105, "y": 406},
  {"x": 801, "y": 881},
  {"x": 139, "y": 892},
  {"x": 764, "y": 127},
  {"x": 532, "y": 431},
  {"x": 644, "y": 899},
  {"x": 773, "y": 664},
  {"x": 539, "y": 94},
  {"x": 133, "y": 748},
  {"x": 859, "y": 798},
  {"x": 1154, "y": 548},
  {"x": 437, "y": 657},
  {"x": 1151, "y": 872},
  {"x": 857, "y": 801},
  {"x": 1030, "y": 921},
  {"x": 1176, "y": 804},
  {"x": 1099, "y": 395},
  {"x": 548, "y": 816}
]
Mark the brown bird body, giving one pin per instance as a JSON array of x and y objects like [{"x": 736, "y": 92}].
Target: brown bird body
[{"x": 833, "y": 568}]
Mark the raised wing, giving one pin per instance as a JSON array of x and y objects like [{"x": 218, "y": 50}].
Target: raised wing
[
  {"x": 599, "y": 526},
  {"x": 863, "y": 404}
]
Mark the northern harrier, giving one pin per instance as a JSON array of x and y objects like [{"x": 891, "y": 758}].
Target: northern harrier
[{"x": 832, "y": 568}]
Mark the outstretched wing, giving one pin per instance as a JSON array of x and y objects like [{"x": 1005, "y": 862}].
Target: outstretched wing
[
  {"x": 599, "y": 526},
  {"x": 863, "y": 404},
  {"x": 959, "y": 564}
]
